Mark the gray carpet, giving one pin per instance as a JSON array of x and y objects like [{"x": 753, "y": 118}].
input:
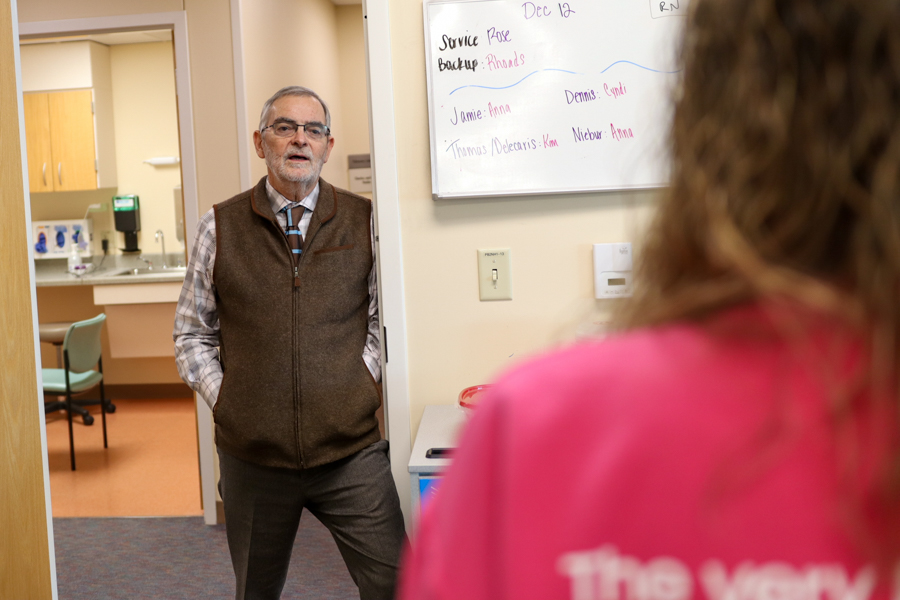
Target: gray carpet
[{"x": 181, "y": 558}]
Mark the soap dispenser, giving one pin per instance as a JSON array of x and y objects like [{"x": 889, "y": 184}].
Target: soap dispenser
[{"x": 74, "y": 260}]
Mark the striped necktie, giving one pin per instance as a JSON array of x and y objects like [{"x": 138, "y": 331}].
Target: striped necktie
[{"x": 292, "y": 229}]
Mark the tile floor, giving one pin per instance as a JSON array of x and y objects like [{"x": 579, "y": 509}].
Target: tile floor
[{"x": 150, "y": 468}]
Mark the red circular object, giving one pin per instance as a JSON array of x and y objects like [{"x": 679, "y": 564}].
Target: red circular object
[{"x": 469, "y": 397}]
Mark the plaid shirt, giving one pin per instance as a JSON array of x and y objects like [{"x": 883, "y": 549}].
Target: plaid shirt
[{"x": 196, "y": 331}]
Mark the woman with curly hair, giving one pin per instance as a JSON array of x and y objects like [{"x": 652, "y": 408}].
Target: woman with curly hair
[{"x": 738, "y": 437}]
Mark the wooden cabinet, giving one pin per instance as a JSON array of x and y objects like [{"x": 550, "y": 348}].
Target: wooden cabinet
[
  {"x": 69, "y": 127},
  {"x": 37, "y": 140},
  {"x": 59, "y": 130}
]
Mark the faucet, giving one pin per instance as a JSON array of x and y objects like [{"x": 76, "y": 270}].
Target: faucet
[
  {"x": 162, "y": 240},
  {"x": 149, "y": 263}
]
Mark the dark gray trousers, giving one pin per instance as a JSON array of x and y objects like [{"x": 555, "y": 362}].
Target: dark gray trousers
[{"x": 355, "y": 498}]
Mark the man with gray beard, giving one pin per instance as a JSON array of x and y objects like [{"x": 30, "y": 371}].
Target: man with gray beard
[{"x": 277, "y": 330}]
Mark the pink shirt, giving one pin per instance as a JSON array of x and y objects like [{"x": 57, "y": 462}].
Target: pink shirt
[{"x": 663, "y": 464}]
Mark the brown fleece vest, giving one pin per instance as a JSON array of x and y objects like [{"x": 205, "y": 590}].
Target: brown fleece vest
[{"x": 296, "y": 391}]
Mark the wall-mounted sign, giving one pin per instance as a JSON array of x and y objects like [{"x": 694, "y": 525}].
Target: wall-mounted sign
[{"x": 360, "y": 172}]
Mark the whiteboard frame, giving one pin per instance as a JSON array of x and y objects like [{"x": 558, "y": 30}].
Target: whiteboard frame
[{"x": 435, "y": 191}]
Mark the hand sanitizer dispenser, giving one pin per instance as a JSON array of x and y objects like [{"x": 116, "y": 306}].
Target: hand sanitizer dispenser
[
  {"x": 612, "y": 270},
  {"x": 74, "y": 260},
  {"x": 127, "y": 213}
]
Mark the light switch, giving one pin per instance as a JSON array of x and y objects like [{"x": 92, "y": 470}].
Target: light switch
[
  {"x": 612, "y": 270},
  {"x": 494, "y": 274}
]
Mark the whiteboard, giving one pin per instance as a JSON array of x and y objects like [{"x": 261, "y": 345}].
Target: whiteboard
[{"x": 538, "y": 97}]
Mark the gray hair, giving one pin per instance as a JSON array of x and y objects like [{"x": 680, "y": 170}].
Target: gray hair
[{"x": 292, "y": 90}]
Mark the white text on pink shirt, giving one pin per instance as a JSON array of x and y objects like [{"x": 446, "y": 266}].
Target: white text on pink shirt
[{"x": 605, "y": 574}]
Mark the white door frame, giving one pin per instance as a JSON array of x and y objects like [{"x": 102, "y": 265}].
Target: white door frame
[
  {"x": 386, "y": 187},
  {"x": 177, "y": 22}
]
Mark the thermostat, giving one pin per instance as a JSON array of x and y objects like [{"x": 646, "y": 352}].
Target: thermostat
[{"x": 612, "y": 270}]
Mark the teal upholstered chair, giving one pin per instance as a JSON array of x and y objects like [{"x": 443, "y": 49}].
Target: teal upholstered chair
[{"x": 81, "y": 352}]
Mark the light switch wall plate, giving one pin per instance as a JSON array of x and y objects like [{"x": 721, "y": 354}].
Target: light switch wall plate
[
  {"x": 612, "y": 270},
  {"x": 495, "y": 274}
]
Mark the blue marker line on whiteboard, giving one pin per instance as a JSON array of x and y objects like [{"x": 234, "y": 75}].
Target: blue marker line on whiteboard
[
  {"x": 506, "y": 87},
  {"x": 637, "y": 65}
]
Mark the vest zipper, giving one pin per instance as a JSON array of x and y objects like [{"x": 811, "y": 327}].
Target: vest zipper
[
  {"x": 294, "y": 341},
  {"x": 296, "y": 349},
  {"x": 287, "y": 245},
  {"x": 297, "y": 419}
]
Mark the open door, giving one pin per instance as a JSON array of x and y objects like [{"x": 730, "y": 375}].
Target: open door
[{"x": 27, "y": 567}]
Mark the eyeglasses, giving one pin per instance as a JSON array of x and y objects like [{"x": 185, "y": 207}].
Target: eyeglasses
[{"x": 286, "y": 129}]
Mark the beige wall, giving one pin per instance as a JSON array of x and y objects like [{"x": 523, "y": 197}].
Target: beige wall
[
  {"x": 61, "y": 66},
  {"x": 352, "y": 70},
  {"x": 215, "y": 109},
  {"x": 146, "y": 121},
  {"x": 325, "y": 52},
  {"x": 307, "y": 56},
  {"x": 49, "y": 10},
  {"x": 455, "y": 340}
]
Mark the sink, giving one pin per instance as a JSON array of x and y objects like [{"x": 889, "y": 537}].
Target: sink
[{"x": 154, "y": 271}]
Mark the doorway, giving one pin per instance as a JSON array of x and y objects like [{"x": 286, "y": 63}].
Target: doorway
[{"x": 136, "y": 38}]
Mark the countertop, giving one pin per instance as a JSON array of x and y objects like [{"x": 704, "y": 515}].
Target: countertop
[
  {"x": 439, "y": 428},
  {"x": 114, "y": 270}
]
